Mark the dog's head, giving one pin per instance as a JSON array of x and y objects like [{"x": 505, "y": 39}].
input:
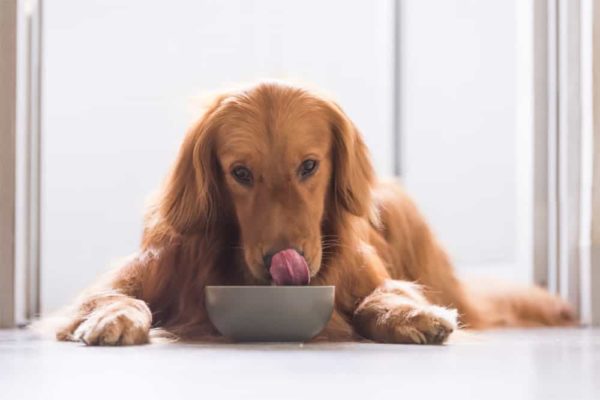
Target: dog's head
[{"x": 275, "y": 161}]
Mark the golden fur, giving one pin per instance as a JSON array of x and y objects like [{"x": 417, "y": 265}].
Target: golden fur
[{"x": 394, "y": 282}]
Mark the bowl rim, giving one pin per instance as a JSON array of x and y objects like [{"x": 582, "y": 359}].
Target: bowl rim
[{"x": 265, "y": 287}]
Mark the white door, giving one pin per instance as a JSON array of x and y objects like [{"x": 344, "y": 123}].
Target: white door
[{"x": 466, "y": 79}]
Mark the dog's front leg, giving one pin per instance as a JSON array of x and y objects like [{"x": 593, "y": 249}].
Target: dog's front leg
[
  {"x": 397, "y": 312},
  {"x": 109, "y": 319},
  {"x": 111, "y": 312}
]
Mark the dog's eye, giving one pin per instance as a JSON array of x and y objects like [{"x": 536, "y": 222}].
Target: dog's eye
[
  {"x": 307, "y": 168},
  {"x": 243, "y": 175}
]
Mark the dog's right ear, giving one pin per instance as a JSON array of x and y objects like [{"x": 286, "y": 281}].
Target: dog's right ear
[
  {"x": 353, "y": 174},
  {"x": 190, "y": 196}
]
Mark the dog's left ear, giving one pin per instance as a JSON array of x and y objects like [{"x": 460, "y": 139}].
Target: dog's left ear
[{"x": 352, "y": 170}]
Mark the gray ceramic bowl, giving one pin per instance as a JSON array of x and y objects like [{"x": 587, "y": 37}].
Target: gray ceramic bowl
[{"x": 269, "y": 313}]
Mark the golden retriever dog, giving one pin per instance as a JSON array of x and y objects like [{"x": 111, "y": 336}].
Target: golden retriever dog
[{"x": 273, "y": 185}]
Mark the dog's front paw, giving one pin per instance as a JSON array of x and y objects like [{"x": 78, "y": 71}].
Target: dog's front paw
[
  {"x": 393, "y": 317},
  {"x": 120, "y": 322},
  {"x": 422, "y": 324}
]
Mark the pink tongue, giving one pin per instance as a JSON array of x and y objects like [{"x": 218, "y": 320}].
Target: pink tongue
[{"x": 288, "y": 267}]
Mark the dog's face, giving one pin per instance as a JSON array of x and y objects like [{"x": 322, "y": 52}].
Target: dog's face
[
  {"x": 275, "y": 156},
  {"x": 284, "y": 159}
]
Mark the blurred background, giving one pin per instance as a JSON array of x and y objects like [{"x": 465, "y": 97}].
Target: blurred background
[
  {"x": 122, "y": 82},
  {"x": 458, "y": 98}
]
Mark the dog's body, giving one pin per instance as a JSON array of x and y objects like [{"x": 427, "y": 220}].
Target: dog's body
[{"x": 276, "y": 167}]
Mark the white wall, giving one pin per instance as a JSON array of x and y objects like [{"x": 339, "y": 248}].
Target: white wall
[
  {"x": 464, "y": 143},
  {"x": 119, "y": 82}
]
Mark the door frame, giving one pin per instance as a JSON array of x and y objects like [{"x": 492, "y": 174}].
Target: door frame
[
  {"x": 20, "y": 160},
  {"x": 594, "y": 270},
  {"x": 8, "y": 107}
]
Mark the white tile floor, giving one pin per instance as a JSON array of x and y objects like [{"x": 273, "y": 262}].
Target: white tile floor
[{"x": 512, "y": 364}]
